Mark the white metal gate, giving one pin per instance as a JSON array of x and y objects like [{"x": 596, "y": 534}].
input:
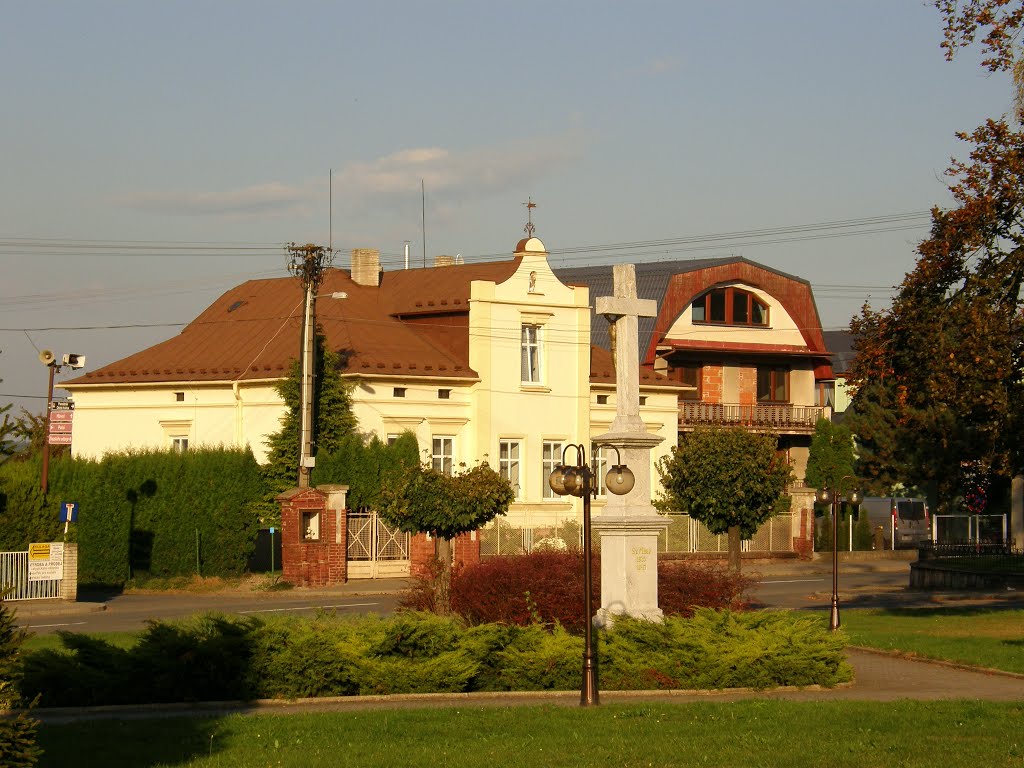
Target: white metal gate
[
  {"x": 375, "y": 551},
  {"x": 14, "y": 581}
]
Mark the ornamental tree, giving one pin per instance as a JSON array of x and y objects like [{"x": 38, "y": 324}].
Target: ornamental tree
[
  {"x": 426, "y": 500},
  {"x": 732, "y": 480}
]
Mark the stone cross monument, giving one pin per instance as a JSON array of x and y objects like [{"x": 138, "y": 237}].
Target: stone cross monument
[{"x": 629, "y": 526}]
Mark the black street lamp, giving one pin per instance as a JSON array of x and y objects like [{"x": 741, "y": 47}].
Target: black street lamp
[
  {"x": 578, "y": 480},
  {"x": 833, "y": 497}
]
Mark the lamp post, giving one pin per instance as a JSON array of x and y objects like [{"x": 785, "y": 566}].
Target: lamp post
[
  {"x": 833, "y": 497},
  {"x": 577, "y": 480}
]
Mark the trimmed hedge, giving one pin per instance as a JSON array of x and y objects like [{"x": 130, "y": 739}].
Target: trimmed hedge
[
  {"x": 219, "y": 658},
  {"x": 146, "y": 511},
  {"x": 547, "y": 587}
]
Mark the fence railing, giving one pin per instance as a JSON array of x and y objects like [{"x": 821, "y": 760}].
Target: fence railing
[
  {"x": 969, "y": 529},
  {"x": 682, "y": 535},
  {"x": 14, "y": 581},
  {"x": 983, "y": 557},
  {"x": 777, "y": 417}
]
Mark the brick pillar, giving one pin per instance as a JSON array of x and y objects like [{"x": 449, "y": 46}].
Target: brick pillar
[
  {"x": 69, "y": 578},
  {"x": 313, "y": 540}
]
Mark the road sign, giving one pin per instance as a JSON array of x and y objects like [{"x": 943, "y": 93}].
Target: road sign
[
  {"x": 68, "y": 512},
  {"x": 60, "y": 426},
  {"x": 61, "y": 416},
  {"x": 59, "y": 438},
  {"x": 62, "y": 405},
  {"x": 46, "y": 561}
]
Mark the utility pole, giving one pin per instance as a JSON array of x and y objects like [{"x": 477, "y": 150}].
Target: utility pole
[{"x": 308, "y": 262}]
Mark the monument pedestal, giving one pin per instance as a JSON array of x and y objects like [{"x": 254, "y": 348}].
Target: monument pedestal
[{"x": 629, "y": 528}]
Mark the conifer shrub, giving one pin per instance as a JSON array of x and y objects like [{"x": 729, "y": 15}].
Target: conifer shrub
[
  {"x": 219, "y": 658},
  {"x": 17, "y": 731}
]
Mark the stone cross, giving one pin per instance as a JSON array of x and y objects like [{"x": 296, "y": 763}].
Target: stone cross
[
  {"x": 623, "y": 311},
  {"x": 629, "y": 525}
]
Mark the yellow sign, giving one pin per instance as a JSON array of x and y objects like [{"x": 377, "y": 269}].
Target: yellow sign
[{"x": 39, "y": 551}]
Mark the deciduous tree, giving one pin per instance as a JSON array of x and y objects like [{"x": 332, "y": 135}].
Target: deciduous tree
[
  {"x": 732, "y": 480},
  {"x": 426, "y": 500},
  {"x": 938, "y": 378}
]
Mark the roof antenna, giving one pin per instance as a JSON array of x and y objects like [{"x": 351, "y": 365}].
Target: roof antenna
[
  {"x": 530, "y": 205},
  {"x": 423, "y": 218}
]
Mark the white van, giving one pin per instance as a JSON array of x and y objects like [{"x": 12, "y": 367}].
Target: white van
[{"x": 904, "y": 521}]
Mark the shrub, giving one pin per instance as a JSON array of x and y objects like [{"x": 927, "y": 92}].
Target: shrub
[
  {"x": 684, "y": 586},
  {"x": 17, "y": 732},
  {"x": 524, "y": 589},
  {"x": 214, "y": 658},
  {"x": 547, "y": 587}
]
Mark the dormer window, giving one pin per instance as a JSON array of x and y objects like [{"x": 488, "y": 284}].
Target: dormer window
[{"x": 730, "y": 306}]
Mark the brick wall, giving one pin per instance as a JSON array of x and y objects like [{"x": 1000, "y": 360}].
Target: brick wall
[
  {"x": 465, "y": 551},
  {"x": 712, "y": 382}
]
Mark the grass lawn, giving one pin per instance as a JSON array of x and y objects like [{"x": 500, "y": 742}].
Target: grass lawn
[
  {"x": 978, "y": 636},
  {"x": 752, "y": 733},
  {"x": 52, "y": 641}
]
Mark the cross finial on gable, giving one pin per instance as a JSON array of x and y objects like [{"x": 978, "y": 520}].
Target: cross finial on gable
[{"x": 530, "y": 205}]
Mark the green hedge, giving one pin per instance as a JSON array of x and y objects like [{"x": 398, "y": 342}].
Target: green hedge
[
  {"x": 146, "y": 511},
  {"x": 219, "y": 658}
]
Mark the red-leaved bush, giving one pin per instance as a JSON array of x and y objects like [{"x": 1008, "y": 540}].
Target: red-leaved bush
[{"x": 547, "y": 587}]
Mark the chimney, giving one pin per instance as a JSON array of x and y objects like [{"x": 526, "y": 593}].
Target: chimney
[
  {"x": 444, "y": 261},
  {"x": 366, "y": 266}
]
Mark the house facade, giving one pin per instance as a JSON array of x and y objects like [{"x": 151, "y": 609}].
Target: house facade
[{"x": 480, "y": 361}]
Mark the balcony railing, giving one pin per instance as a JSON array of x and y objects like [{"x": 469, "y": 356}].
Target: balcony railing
[{"x": 782, "y": 418}]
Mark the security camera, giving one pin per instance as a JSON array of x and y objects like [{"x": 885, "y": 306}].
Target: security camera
[{"x": 74, "y": 361}]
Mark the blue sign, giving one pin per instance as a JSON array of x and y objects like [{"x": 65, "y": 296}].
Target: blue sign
[
  {"x": 69, "y": 512},
  {"x": 271, "y": 531}
]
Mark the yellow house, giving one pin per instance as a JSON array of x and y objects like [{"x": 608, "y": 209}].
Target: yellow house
[{"x": 489, "y": 361}]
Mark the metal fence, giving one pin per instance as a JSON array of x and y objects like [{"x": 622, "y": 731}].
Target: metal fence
[
  {"x": 14, "y": 581},
  {"x": 683, "y": 534},
  {"x": 983, "y": 557},
  {"x": 973, "y": 530}
]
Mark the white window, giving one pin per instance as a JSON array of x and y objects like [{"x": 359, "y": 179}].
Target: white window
[
  {"x": 530, "y": 362},
  {"x": 508, "y": 463},
  {"x": 551, "y": 459},
  {"x": 179, "y": 443},
  {"x": 441, "y": 454}
]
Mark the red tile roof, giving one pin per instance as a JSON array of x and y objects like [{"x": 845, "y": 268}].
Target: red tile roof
[{"x": 414, "y": 324}]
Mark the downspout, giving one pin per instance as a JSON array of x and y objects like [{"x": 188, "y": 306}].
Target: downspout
[{"x": 238, "y": 412}]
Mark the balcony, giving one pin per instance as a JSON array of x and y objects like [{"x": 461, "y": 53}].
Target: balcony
[{"x": 789, "y": 419}]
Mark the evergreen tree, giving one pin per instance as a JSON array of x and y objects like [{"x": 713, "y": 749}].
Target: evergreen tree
[
  {"x": 831, "y": 455},
  {"x": 333, "y": 419}
]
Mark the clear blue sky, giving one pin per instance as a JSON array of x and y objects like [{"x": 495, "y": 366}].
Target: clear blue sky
[{"x": 213, "y": 124}]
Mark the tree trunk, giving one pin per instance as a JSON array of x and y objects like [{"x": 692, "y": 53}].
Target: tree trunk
[
  {"x": 443, "y": 587},
  {"x": 734, "y": 548}
]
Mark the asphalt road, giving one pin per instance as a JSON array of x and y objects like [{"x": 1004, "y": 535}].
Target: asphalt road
[{"x": 125, "y": 613}]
